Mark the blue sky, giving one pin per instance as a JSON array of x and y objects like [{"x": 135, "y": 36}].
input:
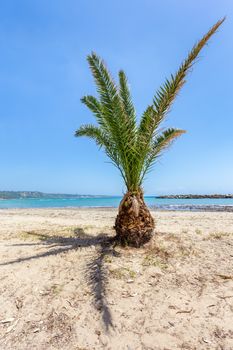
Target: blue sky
[{"x": 44, "y": 73}]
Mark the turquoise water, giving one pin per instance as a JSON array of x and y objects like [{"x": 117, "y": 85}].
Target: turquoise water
[{"x": 174, "y": 204}]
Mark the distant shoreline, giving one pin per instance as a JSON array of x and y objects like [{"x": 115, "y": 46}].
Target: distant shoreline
[
  {"x": 196, "y": 196},
  {"x": 7, "y": 195},
  {"x": 41, "y": 195}
]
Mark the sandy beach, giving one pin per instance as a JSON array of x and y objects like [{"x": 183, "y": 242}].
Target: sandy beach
[{"x": 63, "y": 286}]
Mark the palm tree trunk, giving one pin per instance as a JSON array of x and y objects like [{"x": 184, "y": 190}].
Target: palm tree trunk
[{"x": 134, "y": 224}]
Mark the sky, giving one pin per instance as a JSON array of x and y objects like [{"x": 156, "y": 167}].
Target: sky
[{"x": 44, "y": 73}]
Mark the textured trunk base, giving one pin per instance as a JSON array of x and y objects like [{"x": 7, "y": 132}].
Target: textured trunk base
[{"x": 134, "y": 224}]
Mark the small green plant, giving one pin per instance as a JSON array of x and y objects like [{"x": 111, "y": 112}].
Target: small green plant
[
  {"x": 151, "y": 260},
  {"x": 56, "y": 289},
  {"x": 123, "y": 272},
  {"x": 198, "y": 231},
  {"x": 217, "y": 235},
  {"x": 33, "y": 235},
  {"x": 107, "y": 259},
  {"x": 184, "y": 230}
]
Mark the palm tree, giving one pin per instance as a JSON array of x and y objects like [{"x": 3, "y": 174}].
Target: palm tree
[{"x": 134, "y": 147}]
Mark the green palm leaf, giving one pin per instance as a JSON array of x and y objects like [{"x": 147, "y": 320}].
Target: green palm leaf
[
  {"x": 126, "y": 99},
  {"x": 133, "y": 148},
  {"x": 167, "y": 93},
  {"x": 160, "y": 144}
]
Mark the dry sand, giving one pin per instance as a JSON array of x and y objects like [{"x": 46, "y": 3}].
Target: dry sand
[{"x": 63, "y": 287}]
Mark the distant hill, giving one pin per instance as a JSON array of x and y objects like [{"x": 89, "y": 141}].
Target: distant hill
[{"x": 35, "y": 194}]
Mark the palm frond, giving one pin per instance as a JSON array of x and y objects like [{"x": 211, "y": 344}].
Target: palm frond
[
  {"x": 126, "y": 98},
  {"x": 95, "y": 107},
  {"x": 107, "y": 90},
  {"x": 160, "y": 144},
  {"x": 165, "y": 138},
  {"x": 103, "y": 140},
  {"x": 118, "y": 123},
  {"x": 167, "y": 93},
  {"x": 94, "y": 133}
]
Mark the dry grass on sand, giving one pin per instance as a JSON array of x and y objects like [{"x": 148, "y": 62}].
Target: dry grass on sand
[{"x": 63, "y": 286}]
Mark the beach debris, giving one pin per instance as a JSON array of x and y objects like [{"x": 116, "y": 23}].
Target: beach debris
[
  {"x": 44, "y": 292},
  {"x": 206, "y": 341},
  {"x": 128, "y": 295},
  {"x": 133, "y": 294},
  {"x": 69, "y": 302},
  {"x": 225, "y": 277},
  {"x": 225, "y": 297},
  {"x": 7, "y": 320},
  {"x": 18, "y": 303},
  {"x": 36, "y": 330},
  {"x": 184, "y": 311},
  {"x": 130, "y": 281},
  {"x": 12, "y": 327},
  {"x": 152, "y": 283}
]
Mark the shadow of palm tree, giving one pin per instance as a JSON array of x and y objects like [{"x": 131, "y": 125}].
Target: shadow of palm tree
[
  {"x": 97, "y": 277},
  {"x": 95, "y": 271}
]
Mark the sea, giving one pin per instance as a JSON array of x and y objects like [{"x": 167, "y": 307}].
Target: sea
[{"x": 205, "y": 204}]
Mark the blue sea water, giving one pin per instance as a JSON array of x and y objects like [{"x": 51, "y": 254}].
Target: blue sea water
[{"x": 168, "y": 204}]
